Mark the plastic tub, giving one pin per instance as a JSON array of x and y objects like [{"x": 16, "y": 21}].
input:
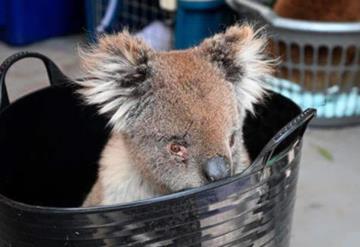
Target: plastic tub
[{"x": 49, "y": 147}]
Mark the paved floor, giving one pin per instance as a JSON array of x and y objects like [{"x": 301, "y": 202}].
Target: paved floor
[{"x": 327, "y": 210}]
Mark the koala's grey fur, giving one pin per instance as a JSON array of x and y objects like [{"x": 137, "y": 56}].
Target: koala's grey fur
[{"x": 197, "y": 98}]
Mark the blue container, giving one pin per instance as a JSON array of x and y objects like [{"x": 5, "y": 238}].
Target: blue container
[
  {"x": 26, "y": 21},
  {"x": 196, "y": 20}
]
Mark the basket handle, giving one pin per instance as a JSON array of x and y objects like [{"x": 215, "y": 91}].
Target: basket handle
[
  {"x": 54, "y": 73},
  {"x": 265, "y": 12},
  {"x": 301, "y": 121}
]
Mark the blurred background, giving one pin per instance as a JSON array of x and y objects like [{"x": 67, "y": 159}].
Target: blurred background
[{"x": 318, "y": 43}]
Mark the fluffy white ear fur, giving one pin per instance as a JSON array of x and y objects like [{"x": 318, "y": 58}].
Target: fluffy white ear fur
[
  {"x": 114, "y": 70},
  {"x": 240, "y": 52},
  {"x": 117, "y": 68}
]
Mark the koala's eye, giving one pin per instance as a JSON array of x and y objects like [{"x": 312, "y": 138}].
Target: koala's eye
[
  {"x": 178, "y": 150},
  {"x": 232, "y": 139}
]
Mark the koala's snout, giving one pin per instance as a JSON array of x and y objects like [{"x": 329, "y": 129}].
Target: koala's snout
[{"x": 216, "y": 168}]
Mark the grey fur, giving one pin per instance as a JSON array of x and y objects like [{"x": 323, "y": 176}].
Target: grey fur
[{"x": 195, "y": 98}]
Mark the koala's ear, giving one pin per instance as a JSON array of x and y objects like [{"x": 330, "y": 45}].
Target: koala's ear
[
  {"x": 239, "y": 54},
  {"x": 116, "y": 72}
]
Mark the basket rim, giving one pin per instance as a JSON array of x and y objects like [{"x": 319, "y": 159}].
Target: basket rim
[
  {"x": 274, "y": 20},
  {"x": 244, "y": 175},
  {"x": 316, "y": 26},
  {"x": 255, "y": 167}
]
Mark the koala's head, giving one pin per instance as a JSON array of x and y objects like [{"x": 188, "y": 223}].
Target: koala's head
[{"x": 181, "y": 112}]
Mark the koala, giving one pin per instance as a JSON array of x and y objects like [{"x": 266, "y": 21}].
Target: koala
[{"x": 176, "y": 117}]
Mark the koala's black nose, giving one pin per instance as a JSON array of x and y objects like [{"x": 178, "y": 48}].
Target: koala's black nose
[{"x": 216, "y": 168}]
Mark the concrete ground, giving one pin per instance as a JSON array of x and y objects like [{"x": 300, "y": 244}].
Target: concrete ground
[{"x": 327, "y": 213}]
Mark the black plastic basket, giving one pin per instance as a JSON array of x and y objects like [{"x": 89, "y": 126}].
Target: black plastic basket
[{"x": 49, "y": 147}]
